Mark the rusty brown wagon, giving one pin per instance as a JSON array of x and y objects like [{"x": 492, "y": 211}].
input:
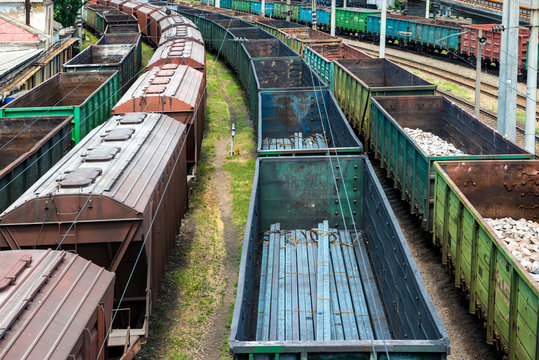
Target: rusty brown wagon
[
  {"x": 120, "y": 193},
  {"x": 53, "y": 305},
  {"x": 174, "y": 90}
]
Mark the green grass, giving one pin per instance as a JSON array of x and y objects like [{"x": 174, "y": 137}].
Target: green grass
[
  {"x": 194, "y": 285},
  {"x": 147, "y": 53},
  {"x": 90, "y": 38},
  {"x": 451, "y": 88}
]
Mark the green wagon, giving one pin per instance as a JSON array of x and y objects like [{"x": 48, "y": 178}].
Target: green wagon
[
  {"x": 410, "y": 165},
  {"x": 352, "y": 20},
  {"x": 87, "y": 96},
  {"x": 500, "y": 290},
  {"x": 356, "y": 80}
]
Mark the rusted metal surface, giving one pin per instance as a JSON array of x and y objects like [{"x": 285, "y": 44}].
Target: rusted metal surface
[
  {"x": 96, "y": 58},
  {"x": 155, "y": 29},
  {"x": 181, "y": 32},
  {"x": 180, "y": 52},
  {"x": 53, "y": 305},
  {"x": 143, "y": 16},
  {"x": 131, "y": 29},
  {"x": 138, "y": 194},
  {"x": 171, "y": 21},
  {"x": 29, "y": 147},
  {"x": 130, "y": 7},
  {"x": 174, "y": 90}
]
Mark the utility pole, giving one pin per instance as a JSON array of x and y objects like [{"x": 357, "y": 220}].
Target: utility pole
[
  {"x": 531, "y": 93},
  {"x": 507, "y": 93},
  {"x": 382, "y": 53},
  {"x": 313, "y": 7},
  {"x": 332, "y": 18},
  {"x": 218, "y": 3},
  {"x": 427, "y": 9},
  {"x": 479, "y": 59},
  {"x": 263, "y": 9},
  {"x": 344, "y": 4},
  {"x": 287, "y": 10}
]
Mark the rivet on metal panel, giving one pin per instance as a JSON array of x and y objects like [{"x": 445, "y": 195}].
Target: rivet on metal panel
[
  {"x": 336, "y": 213},
  {"x": 507, "y": 187},
  {"x": 355, "y": 166},
  {"x": 355, "y": 188}
]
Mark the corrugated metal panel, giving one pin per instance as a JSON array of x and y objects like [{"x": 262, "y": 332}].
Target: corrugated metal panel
[
  {"x": 174, "y": 20},
  {"x": 169, "y": 89},
  {"x": 181, "y": 32},
  {"x": 179, "y": 52},
  {"x": 50, "y": 303}
]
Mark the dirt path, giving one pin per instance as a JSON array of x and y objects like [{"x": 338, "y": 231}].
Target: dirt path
[{"x": 212, "y": 342}]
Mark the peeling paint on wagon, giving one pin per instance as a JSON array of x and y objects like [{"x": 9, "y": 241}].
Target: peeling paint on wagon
[{"x": 499, "y": 288}]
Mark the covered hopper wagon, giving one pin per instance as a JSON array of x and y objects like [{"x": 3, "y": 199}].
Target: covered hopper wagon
[
  {"x": 116, "y": 199},
  {"x": 54, "y": 305},
  {"x": 174, "y": 90}
]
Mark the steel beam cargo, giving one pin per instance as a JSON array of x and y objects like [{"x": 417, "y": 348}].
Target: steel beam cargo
[
  {"x": 499, "y": 288},
  {"x": 394, "y": 312},
  {"x": 29, "y": 147},
  {"x": 121, "y": 192},
  {"x": 411, "y": 166},
  {"x": 303, "y": 122},
  {"x": 321, "y": 56},
  {"x": 356, "y": 80},
  {"x": 88, "y": 97},
  {"x": 55, "y": 305},
  {"x": 174, "y": 90},
  {"x": 98, "y": 58}
]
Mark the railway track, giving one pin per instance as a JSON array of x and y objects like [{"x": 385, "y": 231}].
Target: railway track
[
  {"x": 486, "y": 88},
  {"x": 486, "y": 117}
]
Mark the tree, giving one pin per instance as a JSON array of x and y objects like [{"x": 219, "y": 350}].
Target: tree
[{"x": 65, "y": 11}]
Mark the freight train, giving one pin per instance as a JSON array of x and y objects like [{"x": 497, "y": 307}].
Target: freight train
[
  {"x": 382, "y": 102},
  {"x": 451, "y": 38},
  {"x": 325, "y": 270}
]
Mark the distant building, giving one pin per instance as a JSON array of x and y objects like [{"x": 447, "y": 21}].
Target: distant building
[{"x": 41, "y": 15}]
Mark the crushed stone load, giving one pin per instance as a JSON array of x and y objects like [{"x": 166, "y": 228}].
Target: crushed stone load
[
  {"x": 522, "y": 238},
  {"x": 432, "y": 144}
]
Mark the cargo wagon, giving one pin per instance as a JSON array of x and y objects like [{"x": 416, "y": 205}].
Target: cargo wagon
[
  {"x": 268, "y": 48},
  {"x": 273, "y": 26},
  {"x": 500, "y": 288},
  {"x": 237, "y": 37},
  {"x": 180, "y": 52},
  {"x": 124, "y": 39},
  {"x": 87, "y": 96},
  {"x": 98, "y": 58},
  {"x": 356, "y": 80},
  {"x": 273, "y": 74},
  {"x": 174, "y": 90},
  {"x": 55, "y": 305},
  {"x": 410, "y": 163},
  {"x": 99, "y": 202},
  {"x": 299, "y": 38},
  {"x": 321, "y": 56},
  {"x": 325, "y": 271},
  {"x": 29, "y": 147},
  {"x": 303, "y": 122}
]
